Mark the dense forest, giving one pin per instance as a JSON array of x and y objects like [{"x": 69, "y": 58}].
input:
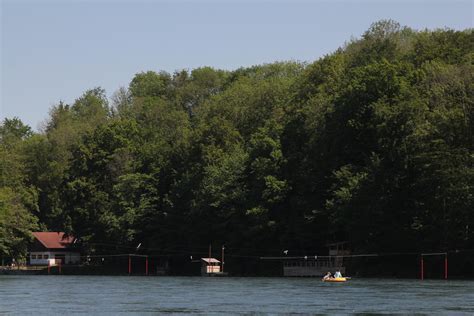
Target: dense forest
[{"x": 370, "y": 144}]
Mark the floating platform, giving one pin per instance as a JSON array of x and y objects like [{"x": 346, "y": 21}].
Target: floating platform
[{"x": 216, "y": 274}]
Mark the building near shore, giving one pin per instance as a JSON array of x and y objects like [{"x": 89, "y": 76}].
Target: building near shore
[
  {"x": 210, "y": 266},
  {"x": 315, "y": 266},
  {"x": 53, "y": 248}
]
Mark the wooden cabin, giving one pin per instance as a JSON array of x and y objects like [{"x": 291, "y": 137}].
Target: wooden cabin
[
  {"x": 210, "y": 266},
  {"x": 311, "y": 267},
  {"x": 53, "y": 248},
  {"x": 314, "y": 266},
  {"x": 338, "y": 250}
]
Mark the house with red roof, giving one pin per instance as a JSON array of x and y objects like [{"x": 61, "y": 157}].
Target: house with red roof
[{"x": 53, "y": 248}]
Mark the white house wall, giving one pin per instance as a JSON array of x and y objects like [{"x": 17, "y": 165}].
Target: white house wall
[{"x": 69, "y": 257}]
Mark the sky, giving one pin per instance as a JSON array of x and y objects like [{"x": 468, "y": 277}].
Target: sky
[{"x": 53, "y": 51}]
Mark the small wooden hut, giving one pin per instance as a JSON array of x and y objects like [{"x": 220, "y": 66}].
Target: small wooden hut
[
  {"x": 315, "y": 266},
  {"x": 210, "y": 266}
]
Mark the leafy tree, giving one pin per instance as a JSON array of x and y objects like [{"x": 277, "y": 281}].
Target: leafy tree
[
  {"x": 17, "y": 200},
  {"x": 16, "y": 225},
  {"x": 150, "y": 84}
]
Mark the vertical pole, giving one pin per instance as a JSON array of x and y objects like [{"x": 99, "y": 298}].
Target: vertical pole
[
  {"x": 223, "y": 248},
  {"x": 146, "y": 265},
  {"x": 422, "y": 267},
  {"x": 59, "y": 267},
  {"x": 129, "y": 265},
  {"x": 446, "y": 266},
  {"x": 49, "y": 269},
  {"x": 209, "y": 261}
]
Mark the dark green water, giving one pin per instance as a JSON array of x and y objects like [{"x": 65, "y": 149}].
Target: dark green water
[{"x": 223, "y": 296}]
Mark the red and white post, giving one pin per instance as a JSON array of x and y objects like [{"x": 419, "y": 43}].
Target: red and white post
[
  {"x": 146, "y": 265},
  {"x": 446, "y": 266},
  {"x": 422, "y": 272}
]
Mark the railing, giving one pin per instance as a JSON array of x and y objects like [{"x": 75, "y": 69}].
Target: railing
[{"x": 23, "y": 267}]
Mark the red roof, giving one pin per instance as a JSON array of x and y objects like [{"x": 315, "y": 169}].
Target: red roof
[{"x": 54, "y": 240}]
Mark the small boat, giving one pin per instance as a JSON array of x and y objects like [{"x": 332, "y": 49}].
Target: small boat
[{"x": 343, "y": 279}]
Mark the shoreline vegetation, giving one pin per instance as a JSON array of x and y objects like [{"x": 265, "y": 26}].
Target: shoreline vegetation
[{"x": 371, "y": 144}]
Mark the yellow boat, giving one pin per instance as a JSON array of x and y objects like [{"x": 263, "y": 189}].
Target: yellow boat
[{"x": 335, "y": 280}]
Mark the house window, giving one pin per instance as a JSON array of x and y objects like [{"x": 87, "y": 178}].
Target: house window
[
  {"x": 33, "y": 256},
  {"x": 45, "y": 256},
  {"x": 39, "y": 257}
]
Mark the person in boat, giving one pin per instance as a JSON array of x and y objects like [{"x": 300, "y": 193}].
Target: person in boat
[
  {"x": 338, "y": 274},
  {"x": 328, "y": 276}
]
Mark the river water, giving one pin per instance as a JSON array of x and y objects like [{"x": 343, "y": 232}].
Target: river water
[{"x": 223, "y": 296}]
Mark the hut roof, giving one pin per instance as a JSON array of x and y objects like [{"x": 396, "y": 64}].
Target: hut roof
[{"x": 210, "y": 260}]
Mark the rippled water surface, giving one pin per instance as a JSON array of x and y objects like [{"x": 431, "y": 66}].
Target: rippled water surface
[{"x": 221, "y": 296}]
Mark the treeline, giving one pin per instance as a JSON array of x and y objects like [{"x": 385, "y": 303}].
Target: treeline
[{"x": 372, "y": 144}]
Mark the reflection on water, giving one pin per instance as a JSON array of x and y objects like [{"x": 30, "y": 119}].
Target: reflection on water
[{"x": 196, "y": 295}]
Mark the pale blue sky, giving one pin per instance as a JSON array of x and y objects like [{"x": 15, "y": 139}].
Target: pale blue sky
[{"x": 55, "y": 50}]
